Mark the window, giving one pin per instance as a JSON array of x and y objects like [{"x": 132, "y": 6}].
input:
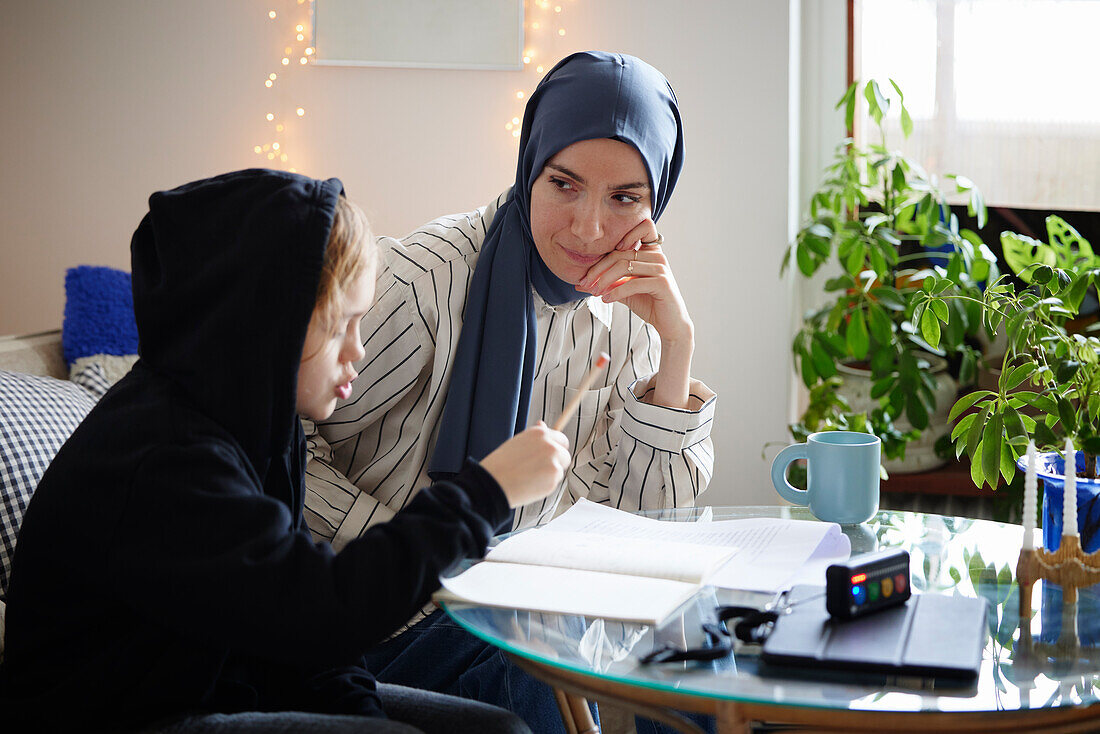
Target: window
[{"x": 1005, "y": 92}]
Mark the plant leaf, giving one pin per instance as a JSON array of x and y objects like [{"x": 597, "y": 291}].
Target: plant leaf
[
  {"x": 991, "y": 448},
  {"x": 818, "y": 245},
  {"x": 839, "y": 283},
  {"x": 836, "y": 315},
  {"x": 849, "y": 102},
  {"x": 1066, "y": 415},
  {"x": 975, "y": 434},
  {"x": 930, "y": 327},
  {"x": 966, "y": 401},
  {"x": 1008, "y": 462},
  {"x": 854, "y": 261},
  {"x": 1042, "y": 274},
  {"x": 882, "y": 387},
  {"x": 1018, "y": 375},
  {"x": 1014, "y": 425},
  {"x": 941, "y": 311},
  {"x": 823, "y": 363},
  {"x": 878, "y": 261},
  {"x": 806, "y": 368},
  {"x": 980, "y": 270},
  {"x": 877, "y": 103},
  {"x": 882, "y": 328},
  {"x": 963, "y": 425},
  {"x": 1068, "y": 239},
  {"x": 916, "y": 411},
  {"x": 856, "y": 336},
  {"x": 1077, "y": 291},
  {"x": 1021, "y": 252},
  {"x": 1065, "y": 371},
  {"x": 906, "y": 120},
  {"x": 976, "y": 467},
  {"x": 889, "y": 297},
  {"x": 806, "y": 264},
  {"x": 1044, "y": 436}
]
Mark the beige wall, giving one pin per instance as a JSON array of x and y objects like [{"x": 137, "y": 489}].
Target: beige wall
[{"x": 104, "y": 101}]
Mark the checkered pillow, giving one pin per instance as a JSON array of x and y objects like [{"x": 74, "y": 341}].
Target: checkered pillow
[{"x": 37, "y": 414}]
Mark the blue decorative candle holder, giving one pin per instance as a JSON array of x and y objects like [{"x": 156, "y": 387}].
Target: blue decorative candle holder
[{"x": 1050, "y": 468}]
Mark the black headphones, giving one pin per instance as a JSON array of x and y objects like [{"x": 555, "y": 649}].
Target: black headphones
[{"x": 753, "y": 626}]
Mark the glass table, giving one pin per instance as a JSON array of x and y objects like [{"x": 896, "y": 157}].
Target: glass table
[{"x": 1039, "y": 676}]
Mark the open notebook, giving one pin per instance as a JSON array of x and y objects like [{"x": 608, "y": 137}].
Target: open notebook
[{"x": 600, "y": 562}]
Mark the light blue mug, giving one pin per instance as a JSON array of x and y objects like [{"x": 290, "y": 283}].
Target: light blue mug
[{"x": 842, "y": 475}]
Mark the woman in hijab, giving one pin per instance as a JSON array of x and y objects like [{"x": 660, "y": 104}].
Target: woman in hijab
[
  {"x": 164, "y": 576},
  {"x": 488, "y": 319}
]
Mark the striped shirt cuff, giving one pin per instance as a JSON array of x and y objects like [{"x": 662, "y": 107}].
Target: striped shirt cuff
[{"x": 669, "y": 429}]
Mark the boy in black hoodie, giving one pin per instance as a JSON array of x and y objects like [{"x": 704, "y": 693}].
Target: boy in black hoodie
[{"x": 164, "y": 575}]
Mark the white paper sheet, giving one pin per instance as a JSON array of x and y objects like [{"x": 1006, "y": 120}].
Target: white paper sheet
[
  {"x": 656, "y": 558},
  {"x": 771, "y": 551},
  {"x": 569, "y": 591}
]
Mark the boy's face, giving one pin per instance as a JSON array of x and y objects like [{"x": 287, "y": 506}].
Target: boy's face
[{"x": 329, "y": 356}]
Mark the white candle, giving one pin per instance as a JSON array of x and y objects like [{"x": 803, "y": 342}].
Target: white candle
[
  {"x": 1030, "y": 500},
  {"x": 1069, "y": 500}
]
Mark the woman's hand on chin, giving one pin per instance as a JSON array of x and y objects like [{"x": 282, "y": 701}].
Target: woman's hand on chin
[{"x": 637, "y": 274}]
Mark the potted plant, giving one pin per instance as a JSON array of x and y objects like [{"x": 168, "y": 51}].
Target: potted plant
[
  {"x": 1049, "y": 384},
  {"x": 883, "y": 226}
]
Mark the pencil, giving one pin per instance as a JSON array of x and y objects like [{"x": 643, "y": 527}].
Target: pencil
[{"x": 601, "y": 362}]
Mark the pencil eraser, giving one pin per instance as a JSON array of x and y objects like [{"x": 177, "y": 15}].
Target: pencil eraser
[{"x": 603, "y": 359}]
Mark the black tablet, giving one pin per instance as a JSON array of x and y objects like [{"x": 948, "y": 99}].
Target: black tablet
[{"x": 931, "y": 635}]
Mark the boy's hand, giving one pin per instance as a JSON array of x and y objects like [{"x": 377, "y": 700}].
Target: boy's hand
[{"x": 530, "y": 465}]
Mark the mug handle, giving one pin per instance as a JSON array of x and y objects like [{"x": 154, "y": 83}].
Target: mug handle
[{"x": 779, "y": 474}]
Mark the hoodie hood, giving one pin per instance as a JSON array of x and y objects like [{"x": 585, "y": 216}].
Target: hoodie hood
[{"x": 225, "y": 275}]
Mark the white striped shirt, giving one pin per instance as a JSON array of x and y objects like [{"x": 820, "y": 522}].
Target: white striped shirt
[{"x": 370, "y": 457}]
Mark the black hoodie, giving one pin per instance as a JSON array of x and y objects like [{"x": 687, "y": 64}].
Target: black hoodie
[{"x": 163, "y": 564}]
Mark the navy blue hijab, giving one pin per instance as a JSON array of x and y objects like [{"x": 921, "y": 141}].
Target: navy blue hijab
[{"x": 587, "y": 96}]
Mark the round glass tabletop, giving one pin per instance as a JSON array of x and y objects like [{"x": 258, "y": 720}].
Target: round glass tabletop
[{"x": 1057, "y": 664}]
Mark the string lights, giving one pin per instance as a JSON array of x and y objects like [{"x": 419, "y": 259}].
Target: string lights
[
  {"x": 297, "y": 19},
  {"x": 543, "y": 27}
]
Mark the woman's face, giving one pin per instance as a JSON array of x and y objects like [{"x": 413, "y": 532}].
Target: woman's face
[
  {"x": 328, "y": 359},
  {"x": 585, "y": 200}
]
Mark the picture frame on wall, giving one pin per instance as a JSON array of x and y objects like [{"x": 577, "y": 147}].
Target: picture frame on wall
[{"x": 426, "y": 34}]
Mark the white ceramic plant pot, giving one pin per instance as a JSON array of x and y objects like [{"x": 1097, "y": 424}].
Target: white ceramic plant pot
[{"x": 920, "y": 454}]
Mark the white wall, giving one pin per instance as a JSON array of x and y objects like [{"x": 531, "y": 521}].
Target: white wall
[
  {"x": 823, "y": 68},
  {"x": 104, "y": 102}
]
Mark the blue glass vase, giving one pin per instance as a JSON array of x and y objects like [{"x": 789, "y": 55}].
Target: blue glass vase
[
  {"x": 1050, "y": 469},
  {"x": 1088, "y": 614}
]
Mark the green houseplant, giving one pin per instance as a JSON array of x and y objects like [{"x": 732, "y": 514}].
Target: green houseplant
[
  {"x": 1049, "y": 384},
  {"x": 883, "y": 226}
]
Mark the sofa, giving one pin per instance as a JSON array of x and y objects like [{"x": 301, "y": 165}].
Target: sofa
[
  {"x": 33, "y": 418},
  {"x": 42, "y": 400},
  {"x": 49, "y": 382}
]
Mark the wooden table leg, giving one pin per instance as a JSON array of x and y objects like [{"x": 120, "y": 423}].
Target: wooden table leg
[
  {"x": 575, "y": 713},
  {"x": 566, "y": 711},
  {"x": 730, "y": 719}
]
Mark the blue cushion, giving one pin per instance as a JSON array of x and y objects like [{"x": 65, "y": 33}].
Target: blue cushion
[{"x": 99, "y": 313}]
